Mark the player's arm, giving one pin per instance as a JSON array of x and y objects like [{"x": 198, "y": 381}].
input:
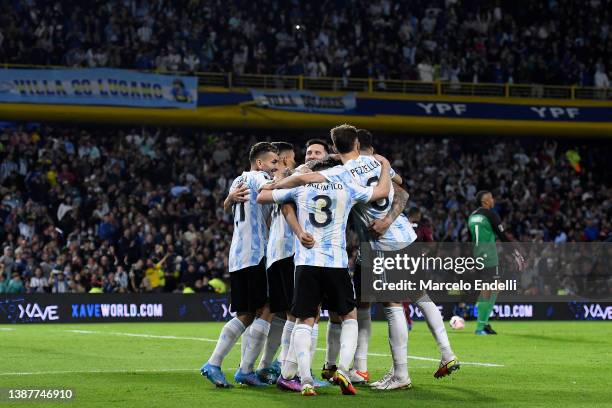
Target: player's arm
[
  {"x": 275, "y": 196},
  {"x": 498, "y": 229},
  {"x": 238, "y": 195},
  {"x": 284, "y": 197},
  {"x": 265, "y": 197},
  {"x": 380, "y": 226},
  {"x": 497, "y": 225},
  {"x": 381, "y": 190},
  {"x": 290, "y": 215},
  {"x": 288, "y": 210},
  {"x": 294, "y": 180},
  {"x": 397, "y": 179}
]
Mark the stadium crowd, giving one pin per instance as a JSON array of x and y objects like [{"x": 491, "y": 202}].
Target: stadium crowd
[
  {"x": 537, "y": 42},
  {"x": 140, "y": 210}
]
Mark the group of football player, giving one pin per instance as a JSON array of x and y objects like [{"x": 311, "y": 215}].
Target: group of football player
[{"x": 288, "y": 261}]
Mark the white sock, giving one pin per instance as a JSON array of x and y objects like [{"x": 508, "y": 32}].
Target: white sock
[
  {"x": 286, "y": 340},
  {"x": 272, "y": 342},
  {"x": 244, "y": 342},
  {"x": 302, "y": 341},
  {"x": 228, "y": 337},
  {"x": 313, "y": 341},
  {"x": 364, "y": 321},
  {"x": 256, "y": 338},
  {"x": 434, "y": 320},
  {"x": 333, "y": 343},
  {"x": 398, "y": 340},
  {"x": 348, "y": 344},
  {"x": 290, "y": 366}
]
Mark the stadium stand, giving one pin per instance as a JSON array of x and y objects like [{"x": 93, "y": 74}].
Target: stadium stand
[
  {"x": 148, "y": 217},
  {"x": 555, "y": 42}
]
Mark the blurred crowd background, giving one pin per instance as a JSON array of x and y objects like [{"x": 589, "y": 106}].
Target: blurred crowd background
[{"x": 558, "y": 42}]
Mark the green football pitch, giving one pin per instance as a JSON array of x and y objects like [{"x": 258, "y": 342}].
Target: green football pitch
[{"x": 529, "y": 364}]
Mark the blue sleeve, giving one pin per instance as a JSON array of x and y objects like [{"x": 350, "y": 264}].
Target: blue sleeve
[
  {"x": 284, "y": 195},
  {"x": 337, "y": 174},
  {"x": 359, "y": 193}
]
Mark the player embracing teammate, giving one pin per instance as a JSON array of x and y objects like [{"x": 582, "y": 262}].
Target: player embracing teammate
[{"x": 323, "y": 196}]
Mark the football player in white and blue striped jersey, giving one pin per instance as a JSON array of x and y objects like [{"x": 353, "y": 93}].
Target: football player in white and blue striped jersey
[
  {"x": 323, "y": 210},
  {"x": 247, "y": 269},
  {"x": 366, "y": 170},
  {"x": 281, "y": 242},
  {"x": 385, "y": 229},
  {"x": 316, "y": 149},
  {"x": 280, "y": 268}
]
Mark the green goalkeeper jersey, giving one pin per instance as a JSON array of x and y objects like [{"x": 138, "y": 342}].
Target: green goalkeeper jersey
[{"x": 485, "y": 227}]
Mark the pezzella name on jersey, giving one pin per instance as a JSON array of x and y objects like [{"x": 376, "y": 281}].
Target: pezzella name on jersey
[{"x": 366, "y": 168}]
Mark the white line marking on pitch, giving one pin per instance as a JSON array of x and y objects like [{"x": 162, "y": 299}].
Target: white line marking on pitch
[
  {"x": 6, "y": 329},
  {"x": 162, "y": 370},
  {"x": 157, "y": 336}
]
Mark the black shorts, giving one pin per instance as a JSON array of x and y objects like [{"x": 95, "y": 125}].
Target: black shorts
[
  {"x": 280, "y": 285},
  {"x": 313, "y": 284},
  {"x": 490, "y": 272},
  {"x": 357, "y": 281},
  {"x": 249, "y": 288},
  {"x": 356, "y": 285}
]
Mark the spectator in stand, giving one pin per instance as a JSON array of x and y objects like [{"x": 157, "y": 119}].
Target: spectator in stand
[
  {"x": 421, "y": 225},
  {"x": 3, "y": 284},
  {"x": 426, "y": 71},
  {"x": 39, "y": 282},
  {"x": 15, "y": 285},
  {"x": 602, "y": 83}
]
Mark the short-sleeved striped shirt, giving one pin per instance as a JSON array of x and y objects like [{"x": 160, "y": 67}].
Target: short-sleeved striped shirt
[{"x": 323, "y": 210}]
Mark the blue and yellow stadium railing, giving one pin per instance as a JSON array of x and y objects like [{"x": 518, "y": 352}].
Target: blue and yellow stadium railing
[
  {"x": 368, "y": 85},
  {"x": 493, "y": 109}
]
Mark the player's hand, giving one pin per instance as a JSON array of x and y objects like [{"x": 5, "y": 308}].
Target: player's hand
[
  {"x": 302, "y": 169},
  {"x": 381, "y": 159},
  {"x": 306, "y": 239},
  {"x": 240, "y": 194},
  {"x": 379, "y": 227},
  {"x": 520, "y": 260}
]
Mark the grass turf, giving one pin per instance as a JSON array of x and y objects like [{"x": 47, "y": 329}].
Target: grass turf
[{"x": 543, "y": 364}]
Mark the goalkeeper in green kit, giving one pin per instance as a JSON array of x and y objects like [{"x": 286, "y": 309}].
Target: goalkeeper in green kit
[{"x": 485, "y": 227}]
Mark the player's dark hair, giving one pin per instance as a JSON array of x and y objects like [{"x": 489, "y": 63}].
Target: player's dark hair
[
  {"x": 259, "y": 149},
  {"x": 365, "y": 139},
  {"x": 318, "y": 165},
  {"x": 283, "y": 146},
  {"x": 318, "y": 142},
  {"x": 480, "y": 195},
  {"x": 344, "y": 137}
]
